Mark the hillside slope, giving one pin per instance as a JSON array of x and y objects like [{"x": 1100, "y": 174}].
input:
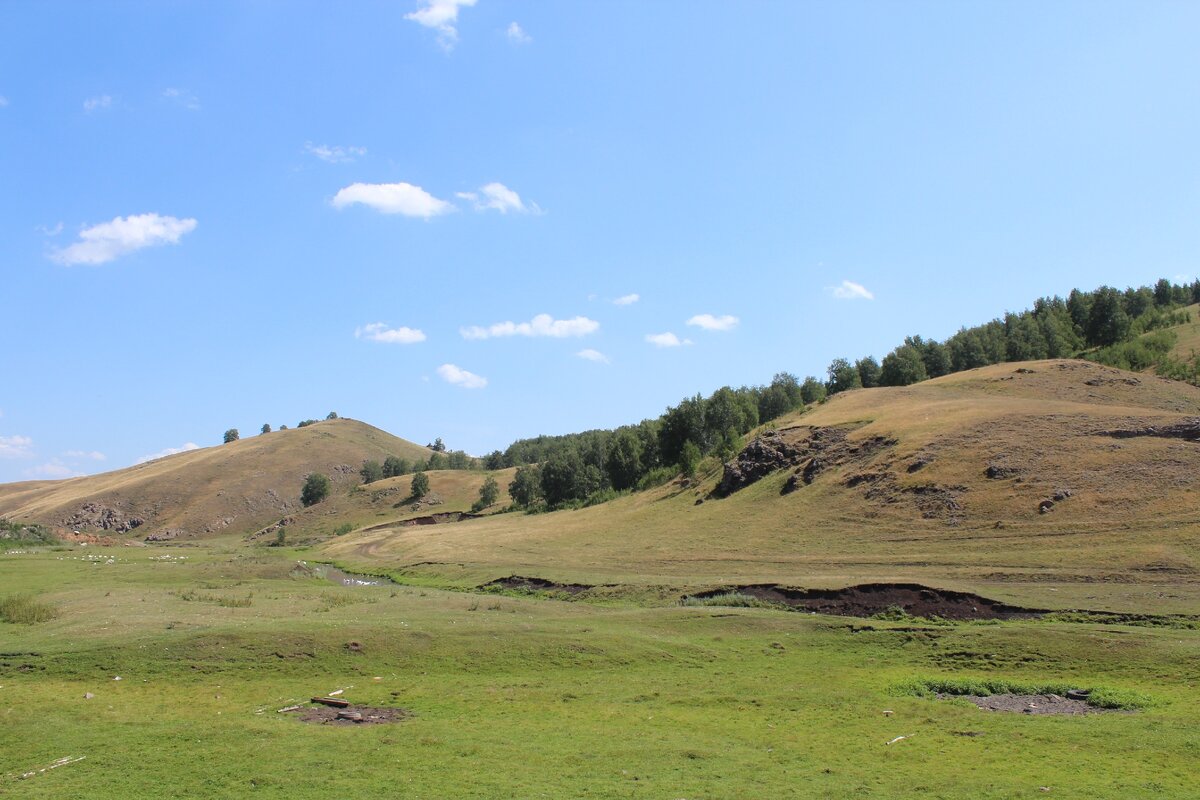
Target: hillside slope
[
  {"x": 237, "y": 487},
  {"x": 943, "y": 482}
]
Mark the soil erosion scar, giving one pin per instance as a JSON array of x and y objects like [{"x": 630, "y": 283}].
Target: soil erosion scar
[{"x": 874, "y": 598}]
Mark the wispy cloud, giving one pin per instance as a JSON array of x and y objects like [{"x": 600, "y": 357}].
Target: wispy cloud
[
  {"x": 708, "y": 322},
  {"x": 380, "y": 332},
  {"x": 170, "y": 451},
  {"x": 460, "y": 377},
  {"x": 541, "y": 325},
  {"x": 96, "y": 103},
  {"x": 45, "y": 230},
  {"x": 441, "y": 16},
  {"x": 182, "y": 97},
  {"x": 53, "y": 469},
  {"x": 86, "y": 455},
  {"x": 335, "y": 153},
  {"x": 16, "y": 447},
  {"x": 498, "y": 197},
  {"x": 102, "y": 243},
  {"x": 849, "y": 290},
  {"x": 667, "y": 339},
  {"x": 517, "y": 35},
  {"x": 393, "y": 198},
  {"x": 626, "y": 300},
  {"x": 593, "y": 355}
]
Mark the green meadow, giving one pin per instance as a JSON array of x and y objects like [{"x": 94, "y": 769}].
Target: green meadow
[{"x": 528, "y": 696}]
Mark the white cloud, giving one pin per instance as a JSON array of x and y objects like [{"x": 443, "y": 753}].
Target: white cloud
[
  {"x": 593, "y": 355},
  {"x": 667, "y": 339},
  {"x": 460, "y": 377},
  {"x": 626, "y": 300},
  {"x": 441, "y": 16},
  {"x": 710, "y": 323},
  {"x": 47, "y": 231},
  {"x": 108, "y": 240},
  {"x": 183, "y": 97},
  {"x": 849, "y": 290},
  {"x": 170, "y": 451},
  {"x": 92, "y": 455},
  {"x": 393, "y": 198},
  {"x": 517, "y": 35},
  {"x": 16, "y": 447},
  {"x": 380, "y": 332},
  {"x": 53, "y": 469},
  {"x": 97, "y": 102},
  {"x": 541, "y": 325},
  {"x": 498, "y": 197},
  {"x": 335, "y": 154}
]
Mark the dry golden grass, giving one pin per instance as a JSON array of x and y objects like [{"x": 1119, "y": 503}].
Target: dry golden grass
[
  {"x": 240, "y": 486},
  {"x": 1132, "y": 520}
]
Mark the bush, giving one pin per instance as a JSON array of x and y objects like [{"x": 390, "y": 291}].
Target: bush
[
  {"x": 316, "y": 489},
  {"x": 420, "y": 485},
  {"x": 656, "y": 477},
  {"x": 24, "y": 609},
  {"x": 487, "y": 495},
  {"x": 371, "y": 471}
]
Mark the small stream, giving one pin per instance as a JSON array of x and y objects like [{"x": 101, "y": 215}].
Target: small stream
[{"x": 332, "y": 573}]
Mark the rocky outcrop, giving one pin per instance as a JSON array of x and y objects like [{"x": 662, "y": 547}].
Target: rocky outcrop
[
  {"x": 97, "y": 515},
  {"x": 1188, "y": 429},
  {"x": 766, "y": 454}
]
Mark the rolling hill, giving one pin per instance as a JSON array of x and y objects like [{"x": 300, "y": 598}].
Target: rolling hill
[
  {"x": 237, "y": 487},
  {"x": 1034, "y": 481}
]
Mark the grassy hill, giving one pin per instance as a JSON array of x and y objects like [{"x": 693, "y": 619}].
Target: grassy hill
[
  {"x": 942, "y": 482},
  {"x": 237, "y": 487}
]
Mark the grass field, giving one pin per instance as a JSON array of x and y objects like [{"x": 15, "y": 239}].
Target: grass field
[{"x": 528, "y": 697}]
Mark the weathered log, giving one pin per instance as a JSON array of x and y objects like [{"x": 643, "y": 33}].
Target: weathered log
[{"x": 336, "y": 702}]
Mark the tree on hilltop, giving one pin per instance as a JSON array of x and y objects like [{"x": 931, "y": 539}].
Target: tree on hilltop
[
  {"x": 266, "y": 428},
  {"x": 232, "y": 435}
]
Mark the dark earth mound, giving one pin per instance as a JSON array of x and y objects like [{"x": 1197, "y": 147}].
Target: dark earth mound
[
  {"x": 439, "y": 518},
  {"x": 523, "y": 584},
  {"x": 870, "y": 599},
  {"x": 350, "y": 715},
  {"x": 1028, "y": 703},
  {"x": 1188, "y": 430}
]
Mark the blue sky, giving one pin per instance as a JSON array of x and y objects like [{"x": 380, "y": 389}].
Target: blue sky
[{"x": 481, "y": 221}]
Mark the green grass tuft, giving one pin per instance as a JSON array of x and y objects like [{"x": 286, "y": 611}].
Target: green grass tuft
[
  {"x": 727, "y": 600},
  {"x": 25, "y": 609}
]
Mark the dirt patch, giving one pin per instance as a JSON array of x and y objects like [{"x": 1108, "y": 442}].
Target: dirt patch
[
  {"x": 350, "y": 715},
  {"x": 520, "y": 583},
  {"x": 438, "y": 519},
  {"x": 1029, "y": 703},
  {"x": 870, "y": 599}
]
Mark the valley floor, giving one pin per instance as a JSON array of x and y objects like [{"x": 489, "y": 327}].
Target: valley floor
[{"x": 526, "y": 696}]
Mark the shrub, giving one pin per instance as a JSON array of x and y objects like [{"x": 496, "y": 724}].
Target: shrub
[{"x": 420, "y": 485}]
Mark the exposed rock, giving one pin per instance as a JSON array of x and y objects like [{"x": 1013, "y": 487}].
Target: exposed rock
[
  {"x": 1045, "y": 507},
  {"x": 1001, "y": 471},
  {"x": 919, "y": 463},
  {"x": 165, "y": 535},
  {"x": 760, "y": 458},
  {"x": 1188, "y": 429},
  {"x": 97, "y": 515}
]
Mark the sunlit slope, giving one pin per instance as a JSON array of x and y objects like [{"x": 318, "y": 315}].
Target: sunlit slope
[
  {"x": 391, "y": 501},
  {"x": 237, "y": 487},
  {"x": 908, "y": 496}
]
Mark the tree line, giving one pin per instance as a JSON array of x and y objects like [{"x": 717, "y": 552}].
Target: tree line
[{"x": 583, "y": 468}]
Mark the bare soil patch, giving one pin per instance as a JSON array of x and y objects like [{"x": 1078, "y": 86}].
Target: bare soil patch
[
  {"x": 870, "y": 599},
  {"x": 1029, "y": 703},
  {"x": 523, "y": 584},
  {"x": 350, "y": 715}
]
